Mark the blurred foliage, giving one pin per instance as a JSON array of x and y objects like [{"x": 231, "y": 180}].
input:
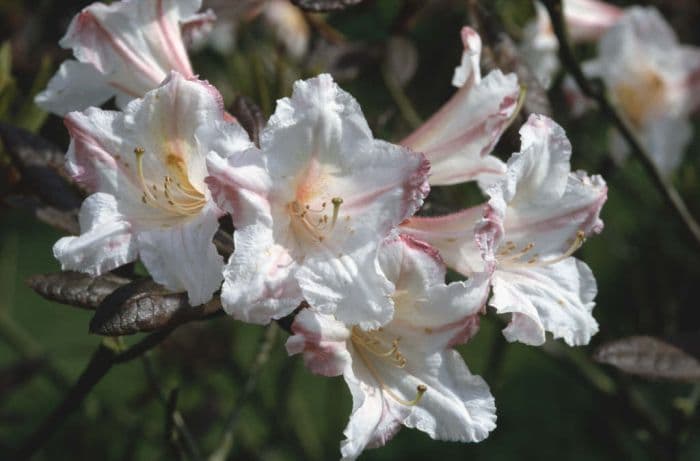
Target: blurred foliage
[{"x": 553, "y": 402}]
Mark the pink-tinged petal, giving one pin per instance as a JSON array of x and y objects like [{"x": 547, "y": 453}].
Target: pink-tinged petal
[
  {"x": 259, "y": 283},
  {"x": 106, "y": 241},
  {"x": 452, "y": 235},
  {"x": 196, "y": 28},
  {"x": 458, "y": 139},
  {"x": 350, "y": 285},
  {"x": 445, "y": 316},
  {"x": 169, "y": 119},
  {"x": 457, "y": 406},
  {"x": 331, "y": 195},
  {"x": 134, "y": 44},
  {"x": 540, "y": 208},
  {"x": 318, "y": 147},
  {"x": 323, "y": 342},
  {"x": 557, "y": 298},
  {"x": 237, "y": 179},
  {"x": 469, "y": 70},
  {"x": 411, "y": 264},
  {"x": 587, "y": 20},
  {"x": 375, "y": 417},
  {"x": 183, "y": 258},
  {"x": 94, "y": 155},
  {"x": 75, "y": 85}
]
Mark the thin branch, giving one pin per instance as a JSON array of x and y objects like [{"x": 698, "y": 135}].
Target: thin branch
[
  {"x": 101, "y": 362},
  {"x": 170, "y": 404},
  {"x": 597, "y": 92},
  {"x": 222, "y": 451},
  {"x": 408, "y": 112}
]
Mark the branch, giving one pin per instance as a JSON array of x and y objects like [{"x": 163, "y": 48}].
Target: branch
[
  {"x": 101, "y": 362},
  {"x": 174, "y": 417},
  {"x": 597, "y": 92},
  {"x": 222, "y": 451}
]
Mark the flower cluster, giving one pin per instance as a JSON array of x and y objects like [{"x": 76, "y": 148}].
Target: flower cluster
[{"x": 325, "y": 217}]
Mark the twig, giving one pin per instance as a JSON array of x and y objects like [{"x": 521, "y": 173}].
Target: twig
[
  {"x": 226, "y": 443},
  {"x": 402, "y": 102},
  {"x": 598, "y": 94},
  {"x": 170, "y": 404},
  {"x": 101, "y": 362}
]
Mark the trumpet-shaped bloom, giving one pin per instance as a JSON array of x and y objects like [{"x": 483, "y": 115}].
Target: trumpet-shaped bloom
[
  {"x": 538, "y": 215},
  {"x": 406, "y": 372},
  {"x": 654, "y": 80},
  {"x": 586, "y": 21},
  {"x": 123, "y": 49},
  {"x": 458, "y": 139},
  {"x": 312, "y": 213},
  {"x": 146, "y": 168}
]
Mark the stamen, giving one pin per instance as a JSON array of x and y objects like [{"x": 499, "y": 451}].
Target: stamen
[
  {"x": 515, "y": 261},
  {"x": 361, "y": 339},
  {"x": 336, "y": 201}
]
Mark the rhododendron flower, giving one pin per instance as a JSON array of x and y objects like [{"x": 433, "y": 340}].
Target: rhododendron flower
[
  {"x": 310, "y": 218},
  {"x": 586, "y": 21},
  {"x": 146, "y": 168},
  {"x": 457, "y": 140},
  {"x": 538, "y": 215},
  {"x": 406, "y": 372},
  {"x": 654, "y": 80},
  {"x": 123, "y": 49}
]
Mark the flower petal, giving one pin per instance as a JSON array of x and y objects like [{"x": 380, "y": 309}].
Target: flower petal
[
  {"x": 540, "y": 204},
  {"x": 97, "y": 137},
  {"x": 350, "y": 285},
  {"x": 322, "y": 340},
  {"x": 318, "y": 147},
  {"x": 375, "y": 417},
  {"x": 469, "y": 71},
  {"x": 74, "y": 86},
  {"x": 556, "y": 298},
  {"x": 184, "y": 258},
  {"x": 134, "y": 44},
  {"x": 452, "y": 235},
  {"x": 259, "y": 283},
  {"x": 459, "y": 137},
  {"x": 106, "y": 241},
  {"x": 457, "y": 405}
]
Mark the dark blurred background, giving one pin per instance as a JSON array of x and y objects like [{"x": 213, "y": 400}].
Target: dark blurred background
[{"x": 553, "y": 402}]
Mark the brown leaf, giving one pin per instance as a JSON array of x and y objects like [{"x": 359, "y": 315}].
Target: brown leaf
[
  {"x": 249, "y": 116},
  {"x": 75, "y": 288},
  {"x": 649, "y": 357},
  {"x": 317, "y": 6},
  {"x": 144, "y": 305},
  {"x": 41, "y": 166}
]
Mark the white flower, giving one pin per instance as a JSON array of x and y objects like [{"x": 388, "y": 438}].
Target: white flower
[
  {"x": 310, "y": 218},
  {"x": 539, "y": 214},
  {"x": 146, "y": 168},
  {"x": 458, "y": 139},
  {"x": 123, "y": 49},
  {"x": 586, "y": 21},
  {"x": 654, "y": 80},
  {"x": 406, "y": 372}
]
